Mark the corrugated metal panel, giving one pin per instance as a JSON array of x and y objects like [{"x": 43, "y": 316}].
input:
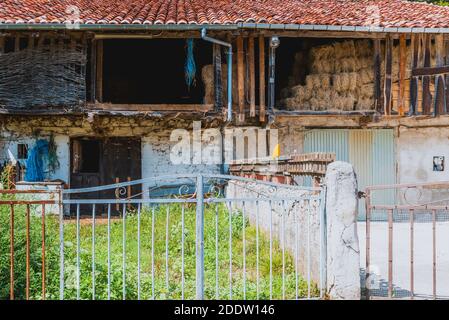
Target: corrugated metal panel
[
  {"x": 360, "y": 156},
  {"x": 326, "y": 140},
  {"x": 384, "y": 165},
  {"x": 329, "y": 140}
]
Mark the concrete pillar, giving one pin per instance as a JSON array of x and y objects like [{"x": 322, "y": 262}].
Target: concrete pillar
[{"x": 343, "y": 254}]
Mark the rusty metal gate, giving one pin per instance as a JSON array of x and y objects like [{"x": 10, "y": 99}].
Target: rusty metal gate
[
  {"x": 405, "y": 242},
  {"x": 216, "y": 237}
]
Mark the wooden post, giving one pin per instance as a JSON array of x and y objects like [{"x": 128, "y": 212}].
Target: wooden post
[
  {"x": 99, "y": 75},
  {"x": 377, "y": 76},
  {"x": 415, "y": 41},
  {"x": 439, "y": 105},
  {"x": 93, "y": 70},
  {"x": 218, "y": 86},
  {"x": 241, "y": 79},
  {"x": 2, "y": 44},
  {"x": 17, "y": 43},
  {"x": 402, "y": 61},
  {"x": 426, "y": 95},
  {"x": 446, "y": 60},
  {"x": 252, "y": 77},
  {"x": 388, "y": 69},
  {"x": 262, "y": 78}
]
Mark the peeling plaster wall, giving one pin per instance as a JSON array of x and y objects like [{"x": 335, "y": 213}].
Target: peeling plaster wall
[{"x": 416, "y": 148}]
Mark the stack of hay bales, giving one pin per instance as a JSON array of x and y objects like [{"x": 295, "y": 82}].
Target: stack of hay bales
[{"x": 341, "y": 78}]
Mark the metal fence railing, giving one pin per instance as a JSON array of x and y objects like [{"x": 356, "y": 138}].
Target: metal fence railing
[
  {"x": 203, "y": 245},
  {"x": 406, "y": 251}
]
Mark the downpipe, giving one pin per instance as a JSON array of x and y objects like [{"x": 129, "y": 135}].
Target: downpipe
[{"x": 229, "y": 55}]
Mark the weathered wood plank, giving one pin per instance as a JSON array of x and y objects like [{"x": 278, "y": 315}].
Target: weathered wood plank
[
  {"x": 93, "y": 70},
  {"x": 446, "y": 62},
  {"x": 17, "y": 43},
  {"x": 218, "y": 86},
  {"x": 2, "y": 44},
  {"x": 439, "y": 105},
  {"x": 377, "y": 76},
  {"x": 252, "y": 77},
  {"x": 430, "y": 71},
  {"x": 388, "y": 78},
  {"x": 427, "y": 96},
  {"x": 151, "y": 107},
  {"x": 99, "y": 74},
  {"x": 262, "y": 79},
  {"x": 415, "y": 43},
  {"x": 241, "y": 79},
  {"x": 402, "y": 61}
]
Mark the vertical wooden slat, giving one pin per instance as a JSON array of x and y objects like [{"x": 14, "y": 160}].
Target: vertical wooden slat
[
  {"x": 439, "y": 105},
  {"x": 377, "y": 76},
  {"x": 31, "y": 42},
  {"x": 402, "y": 61},
  {"x": 93, "y": 70},
  {"x": 446, "y": 78},
  {"x": 218, "y": 86},
  {"x": 99, "y": 74},
  {"x": 2, "y": 44},
  {"x": 261, "y": 78},
  {"x": 388, "y": 71},
  {"x": 252, "y": 77},
  {"x": 241, "y": 79},
  {"x": 17, "y": 43},
  {"x": 427, "y": 96},
  {"x": 415, "y": 44}
]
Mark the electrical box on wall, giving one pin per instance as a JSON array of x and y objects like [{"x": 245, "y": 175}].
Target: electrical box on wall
[{"x": 438, "y": 163}]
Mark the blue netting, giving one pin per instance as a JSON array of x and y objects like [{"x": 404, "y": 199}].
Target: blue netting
[
  {"x": 190, "y": 66},
  {"x": 35, "y": 162}
]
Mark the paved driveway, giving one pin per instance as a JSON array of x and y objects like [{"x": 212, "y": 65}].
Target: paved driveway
[{"x": 401, "y": 258}]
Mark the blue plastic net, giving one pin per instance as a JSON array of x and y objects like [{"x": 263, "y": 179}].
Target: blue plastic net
[
  {"x": 190, "y": 66},
  {"x": 35, "y": 162}
]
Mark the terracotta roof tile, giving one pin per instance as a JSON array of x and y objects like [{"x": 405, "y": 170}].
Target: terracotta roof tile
[{"x": 384, "y": 13}]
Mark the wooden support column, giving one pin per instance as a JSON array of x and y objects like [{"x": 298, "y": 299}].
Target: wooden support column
[
  {"x": 415, "y": 42},
  {"x": 262, "y": 78},
  {"x": 402, "y": 61},
  {"x": 93, "y": 70},
  {"x": 426, "y": 95},
  {"x": 377, "y": 77},
  {"x": 218, "y": 86},
  {"x": 440, "y": 103},
  {"x": 17, "y": 43},
  {"x": 446, "y": 78},
  {"x": 99, "y": 75},
  {"x": 241, "y": 79},
  {"x": 252, "y": 77},
  {"x": 2, "y": 44},
  {"x": 388, "y": 70}
]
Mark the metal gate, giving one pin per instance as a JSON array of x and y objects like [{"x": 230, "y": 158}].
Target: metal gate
[
  {"x": 216, "y": 237},
  {"x": 406, "y": 241}
]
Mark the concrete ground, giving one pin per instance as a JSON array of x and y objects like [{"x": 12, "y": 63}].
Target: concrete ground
[{"x": 401, "y": 259}]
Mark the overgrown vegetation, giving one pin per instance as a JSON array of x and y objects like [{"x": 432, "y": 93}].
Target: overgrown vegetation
[{"x": 161, "y": 291}]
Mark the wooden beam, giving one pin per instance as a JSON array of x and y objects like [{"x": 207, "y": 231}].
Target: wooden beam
[
  {"x": 415, "y": 43},
  {"x": 241, "y": 79},
  {"x": 252, "y": 78},
  {"x": 99, "y": 74},
  {"x": 388, "y": 78},
  {"x": 426, "y": 96},
  {"x": 93, "y": 70},
  {"x": 377, "y": 76},
  {"x": 151, "y": 107},
  {"x": 430, "y": 71},
  {"x": 402, "y": 61},
  {"x": 440, "y": 104},
  {"x": 262, "y": 107},
  {"x": 218, "y": 85}
]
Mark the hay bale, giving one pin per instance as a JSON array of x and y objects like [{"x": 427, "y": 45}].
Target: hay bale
[
  {"x": 367, "y": 91},
  {"x": 313, "y": 81},
  {"x": 285, "y": 93},
  {"x": 363, "y": 48},
  {"x": 207, "y": 75},
  {"x": 366, "y": 76},
  {"x": 325, "y": 80},
  {"x": 365, "y": 104},
  {"x": 352, "y": 81},
  {"x": 301, "y": 91}
]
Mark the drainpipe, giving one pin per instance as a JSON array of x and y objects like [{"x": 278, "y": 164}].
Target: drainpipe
[
  {"x": 274, "y": 43},
  {"x": 229, "y": 46}
]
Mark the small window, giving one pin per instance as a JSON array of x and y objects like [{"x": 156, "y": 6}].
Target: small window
[
  {"x": 86, "y": 156},
  {"x": 22, "y": 151}
]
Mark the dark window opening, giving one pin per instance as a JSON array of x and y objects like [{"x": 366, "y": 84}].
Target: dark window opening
[
  {"x": 152, "y": 71},
  {"x": 86, "y": 156},
  {"x": 22, "y": 151}
]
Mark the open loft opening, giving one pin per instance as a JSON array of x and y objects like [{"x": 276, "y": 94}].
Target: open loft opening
[
  {"x": 325, "y": 75},
  {"x": 149, "y": 71}
]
